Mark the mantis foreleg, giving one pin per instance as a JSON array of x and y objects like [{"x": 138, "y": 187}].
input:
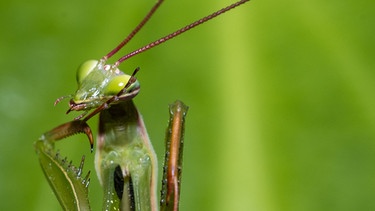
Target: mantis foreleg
[{"x": 65, "y": 179}]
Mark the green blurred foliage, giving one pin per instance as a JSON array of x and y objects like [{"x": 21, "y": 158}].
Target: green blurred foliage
[{"x": 280, "y": 93}]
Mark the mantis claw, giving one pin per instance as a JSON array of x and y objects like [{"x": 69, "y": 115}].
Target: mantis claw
[{"x": 68, "y": 129}]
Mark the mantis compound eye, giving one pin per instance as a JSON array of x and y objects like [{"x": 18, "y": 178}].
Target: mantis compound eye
[
  {"x": 85, "y": 69},
  {"x": 117, "y": 83}
]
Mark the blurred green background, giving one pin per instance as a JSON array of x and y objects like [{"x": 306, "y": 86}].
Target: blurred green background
[{"x": 281, "y": 96}]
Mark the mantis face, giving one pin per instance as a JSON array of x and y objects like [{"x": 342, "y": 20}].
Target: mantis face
[{"x": 99, "y": 82}]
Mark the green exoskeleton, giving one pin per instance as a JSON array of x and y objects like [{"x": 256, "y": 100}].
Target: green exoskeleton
[{"x": 125, "y": 160}]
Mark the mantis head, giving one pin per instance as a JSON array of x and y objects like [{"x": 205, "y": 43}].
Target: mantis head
[{"x": 100, "y": 84}]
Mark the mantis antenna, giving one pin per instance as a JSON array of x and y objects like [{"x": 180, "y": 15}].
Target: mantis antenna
[{"x": 167, "y": 37}]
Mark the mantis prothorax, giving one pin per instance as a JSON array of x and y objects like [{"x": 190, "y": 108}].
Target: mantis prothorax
[{"x": 125, "y": 160}]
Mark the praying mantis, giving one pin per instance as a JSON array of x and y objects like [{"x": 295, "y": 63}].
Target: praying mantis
[{"x": 125, "y": 160}]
